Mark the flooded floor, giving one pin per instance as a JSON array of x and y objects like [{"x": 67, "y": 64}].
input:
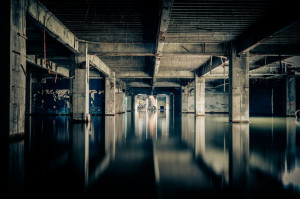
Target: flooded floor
[{"x": 157, "y": 155}]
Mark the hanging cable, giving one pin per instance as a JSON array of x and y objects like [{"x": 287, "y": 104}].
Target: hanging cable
[{"x": 44, "y": 46}]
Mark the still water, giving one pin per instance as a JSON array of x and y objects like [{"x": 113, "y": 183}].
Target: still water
[{"x": 157, "y": 155}]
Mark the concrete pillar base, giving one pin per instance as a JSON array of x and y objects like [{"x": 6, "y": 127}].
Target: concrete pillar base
[
  {"x": 84, "y": 118},
  {"x": 109, "y": 114},
  {"x": 188, "y": 112},
  {"x": 16, "y": 137},
  {"x": 239, "y": 121}
]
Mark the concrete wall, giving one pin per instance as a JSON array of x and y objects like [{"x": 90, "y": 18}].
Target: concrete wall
[
  {"x": 216, "y": 102},
  {"x": 49, "y": 97},
  {"x": 260, "y": 97},
  {"x": 161, "y": 102},
  {"x": 97, "y": 96},
  {"x": 188, "y": 100},
  {"x": 279, "y": 97}
]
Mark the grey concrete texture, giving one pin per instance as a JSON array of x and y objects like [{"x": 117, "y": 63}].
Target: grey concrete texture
[
  {"x": 17, "y": 68},
  {"x": 290, "y": 96},
  {"x": 110, "y": 96},
  {"x": 238, "y": 88}
]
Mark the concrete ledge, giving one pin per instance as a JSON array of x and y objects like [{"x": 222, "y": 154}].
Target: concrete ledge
[
  {"x": 200, "y": 114},
  {"x": 109, "y": 114}
]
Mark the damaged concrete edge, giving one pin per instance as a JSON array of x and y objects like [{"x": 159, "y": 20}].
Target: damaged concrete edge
[
  {"x": 52, "y": 25},
  {"x": 100, "y": 65},
  {"x": 32, "y": 59}
]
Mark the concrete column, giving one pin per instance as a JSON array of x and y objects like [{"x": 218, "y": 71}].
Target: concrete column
[
  {"x": 13, "y": 70},
  {"x": 28, "y": 106},
  {"x": 290, "y": 96},
  {"x": 199, "y": 96},
  {"x": 81, "y": 85},
  {"x": 135, "y": 102},
  {"x": 167, "y": 102},
  {"x": 238, "y": 87},
  {"x": 184, "y": 99},
  {"x": 129, "y": 103},
  {"x": 110, "y": 95},
  {"x": 119, "y": 105}
]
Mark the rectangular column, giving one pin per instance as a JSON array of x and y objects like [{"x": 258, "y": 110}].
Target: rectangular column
[
  {"x": 81, "y": 85},
  {"x": 13, "y": 70},
  {"x": 184, "y": 99},
  {"x": 110, "y": 95},
  {"x": 119, "y": 98},
  {"x": 28, "y": 106},
  {"x": 290, "y": 96},
  {"x": 167, "y": 102},
  {"x": 238, "y": 87},
  {"x": 199, "y": 95},
  {"x": 129, "y": 103},
  {"x": 135, "y": 104}
]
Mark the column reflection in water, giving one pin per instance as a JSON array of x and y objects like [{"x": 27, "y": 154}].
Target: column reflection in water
[
  {"x": 80, "y": 151},
  {"x": 290, "y": 157},
  {"x": 291, "y": 173},
  {"x": 239, "y": 157},
  {"x": 163, "y": 123},
  {"x": 120, "y": 128},
  {"x": 110, "y": 136},
  {"x": 200, "y": 136},
  {"x": 152, "y": 121},
  {"x": 140, "y": 123},
  {"x": 188, "y": 129},
  {"x": 16, "y": 168}
]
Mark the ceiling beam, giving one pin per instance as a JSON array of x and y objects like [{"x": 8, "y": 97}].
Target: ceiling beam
[
  {"x": 167, "y": 84},
  {"x": 175, "y": 74},
  {"x": 121, "y": 49},
  {"x": 276, "y": 50},
  {"x": 156, "y": 84},
  {"x": 209, "y": 65},
  {"x": 99, "y": 65},
  {"x": 163, "y": 27},
  {"x": 51, "y": 67},
  {"x": 280, "y": 18},
  {"x": 132, "y": 74},
  {"x": 196, "y": 49},
  {"x": 266, "y": 61},
  {"x": 52, "y": 25}
]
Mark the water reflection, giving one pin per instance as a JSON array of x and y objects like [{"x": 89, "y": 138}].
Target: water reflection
[
  {"x": 80, "y": 150},
  {"x": 239, "y": 158},
  {"x": 158, "y": 154},
  {"x": 16, "y": 168}
]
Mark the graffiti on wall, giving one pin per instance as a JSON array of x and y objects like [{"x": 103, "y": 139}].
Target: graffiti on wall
[
  {"x": 51, "y": 98},
  {"x": 97, "y": 96}
]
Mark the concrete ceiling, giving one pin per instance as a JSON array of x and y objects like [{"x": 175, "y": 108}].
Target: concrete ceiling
[{"x": 146, "y": 39}]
